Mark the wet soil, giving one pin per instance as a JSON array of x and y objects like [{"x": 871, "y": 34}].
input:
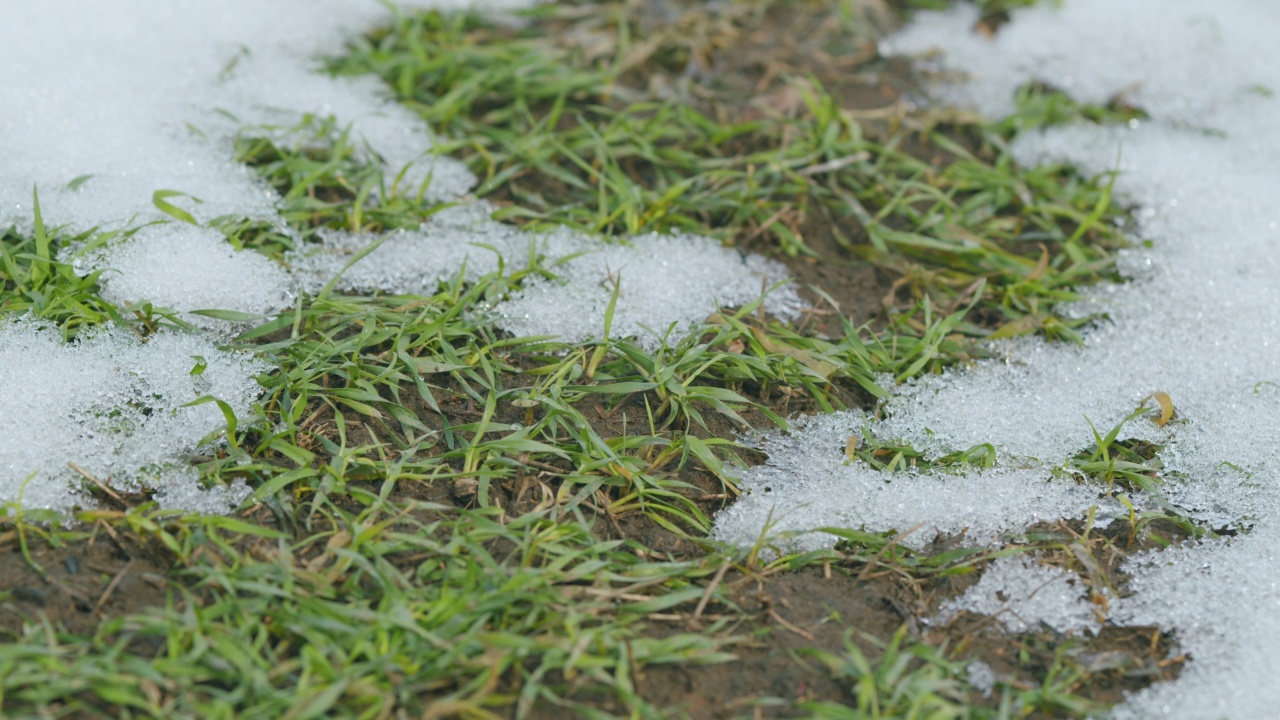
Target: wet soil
[{"x": 77, "y": 586}]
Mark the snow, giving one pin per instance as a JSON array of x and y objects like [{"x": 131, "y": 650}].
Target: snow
[
  {"x": 183, "y": 267},
  {"x": 662, "y": 280},
  {"x": 1198, "y": 321},
  {"x": 808, "y": 482},
  {"x": 981, "y": 677},
  {"x": 459, "y": 239},
  {"x": 110, "y": 403},
  {"x": 1023, "y": 594},
  {"x": 144, "y": 96},
  {"x": 136, "y": 93}
]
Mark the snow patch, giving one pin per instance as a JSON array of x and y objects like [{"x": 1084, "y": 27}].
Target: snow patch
[
  {"x": 809, "y": 483},
  {"x": 662, "y": 280},
  {"x": 111, "y": 403},
  {"x": 183, "y": 267},
  {"x": 1024, "y": 594},
  {"x": 144, "y": 95},
  {"x": 666, "y": 284}
]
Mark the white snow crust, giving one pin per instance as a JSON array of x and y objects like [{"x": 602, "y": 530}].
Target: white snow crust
[
  {"x": 136, "y": 93},
  {"x": 1023, "y": 594},
  {"x": 1198, "y": 320},
  {"x": 183, "y": 267},
  {"x": 663, "y": 280},
  {"x": 113, "y": 405}
]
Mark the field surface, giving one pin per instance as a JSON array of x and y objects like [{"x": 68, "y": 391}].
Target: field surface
[{"x": 639, "y": 359}]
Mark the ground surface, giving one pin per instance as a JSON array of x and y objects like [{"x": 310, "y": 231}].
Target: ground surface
[{"x": 144, "y": 609}]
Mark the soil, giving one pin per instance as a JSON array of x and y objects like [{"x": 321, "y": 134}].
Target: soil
[{"x": 77, "y": 586}]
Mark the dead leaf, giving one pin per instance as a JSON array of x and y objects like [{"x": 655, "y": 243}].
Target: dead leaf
[
  {"x": 1166, "y": 407},
  {"x": 851, "y": 444},
  {"x": 1024, "y": 325},
  {"x": 1042, "y": 265}
]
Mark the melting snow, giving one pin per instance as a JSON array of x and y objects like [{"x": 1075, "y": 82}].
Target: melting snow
[
  {"x": 981, "y": 677},
  {"x": 662, "y": 279},
  {"x": 808, "y": 482},
  {"x": 183, "y": 267},
  {"x": 457, "y": 239},
  {"x": 132, "y": 95},
  {"x": 136, "y": 93},
  {"x": 139, "y": 97},
  {"x": 110, "y": 403},
  {"x": 1023, "y": 594},
  {"x": 1198, "y": 321}
]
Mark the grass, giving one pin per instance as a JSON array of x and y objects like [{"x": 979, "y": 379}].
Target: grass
[{"x": 450, "y": 522}]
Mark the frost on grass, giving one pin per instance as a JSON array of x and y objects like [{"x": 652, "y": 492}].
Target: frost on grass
[
  {"x": 183, "y": 267},
  {"x": 113, "y": 405},
  {"x": 1024, "y": 594},
  {"x": 143, "y": 96},
  {"x": 1198, "y": 321}
]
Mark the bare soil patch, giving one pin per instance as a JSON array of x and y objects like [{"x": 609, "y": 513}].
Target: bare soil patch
[{"x": 82, "y": 584}]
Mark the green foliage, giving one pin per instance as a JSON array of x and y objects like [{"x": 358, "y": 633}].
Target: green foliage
[
  {"x": 905, "y": 682},
  {"x": 341, "y": 595},
  {"x": 33, "y": 281},
  {"x": 1043, "y": 106},
  {"x": 410, "y": 610}
]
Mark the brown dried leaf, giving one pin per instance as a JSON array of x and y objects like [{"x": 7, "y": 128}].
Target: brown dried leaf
[{"x": 1166, "y": 407}]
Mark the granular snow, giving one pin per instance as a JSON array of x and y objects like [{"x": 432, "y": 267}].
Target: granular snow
[
  {"x": 665, "y": 285},
  {"x": 112, "y": 404},
  {"x": 137, "y": 93},
  {"x": 1024, "y": 594},
  {"x": 183, "y": 267}
]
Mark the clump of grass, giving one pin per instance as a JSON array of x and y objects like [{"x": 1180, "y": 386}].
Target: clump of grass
[
  {"x": 1040, "y": 105},
  {"x": 33, "y": 281},
  {"x": 378, "y": 611},
  {"x": 325, "y": 178},
  {"x": 914, "y": 681}
]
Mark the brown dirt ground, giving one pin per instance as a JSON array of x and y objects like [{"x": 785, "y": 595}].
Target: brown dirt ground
[{"x": 82, "y": 583}]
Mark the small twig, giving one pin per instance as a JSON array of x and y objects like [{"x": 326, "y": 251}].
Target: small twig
[
  {"x": 788, "y": 625},
  {"x": 715, "y": 582},
  {"x": 543, "y": 466},
  {"x": 892, "y": 543},
  {"x": 833, "y": 165},
  {"x": 101, "y": 485},
  {"x": 115, "y": 582},
  {"x": 623, "y": 592}
]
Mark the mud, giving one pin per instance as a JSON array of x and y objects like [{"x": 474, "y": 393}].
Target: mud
[{"x": 77, "y": 586}]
